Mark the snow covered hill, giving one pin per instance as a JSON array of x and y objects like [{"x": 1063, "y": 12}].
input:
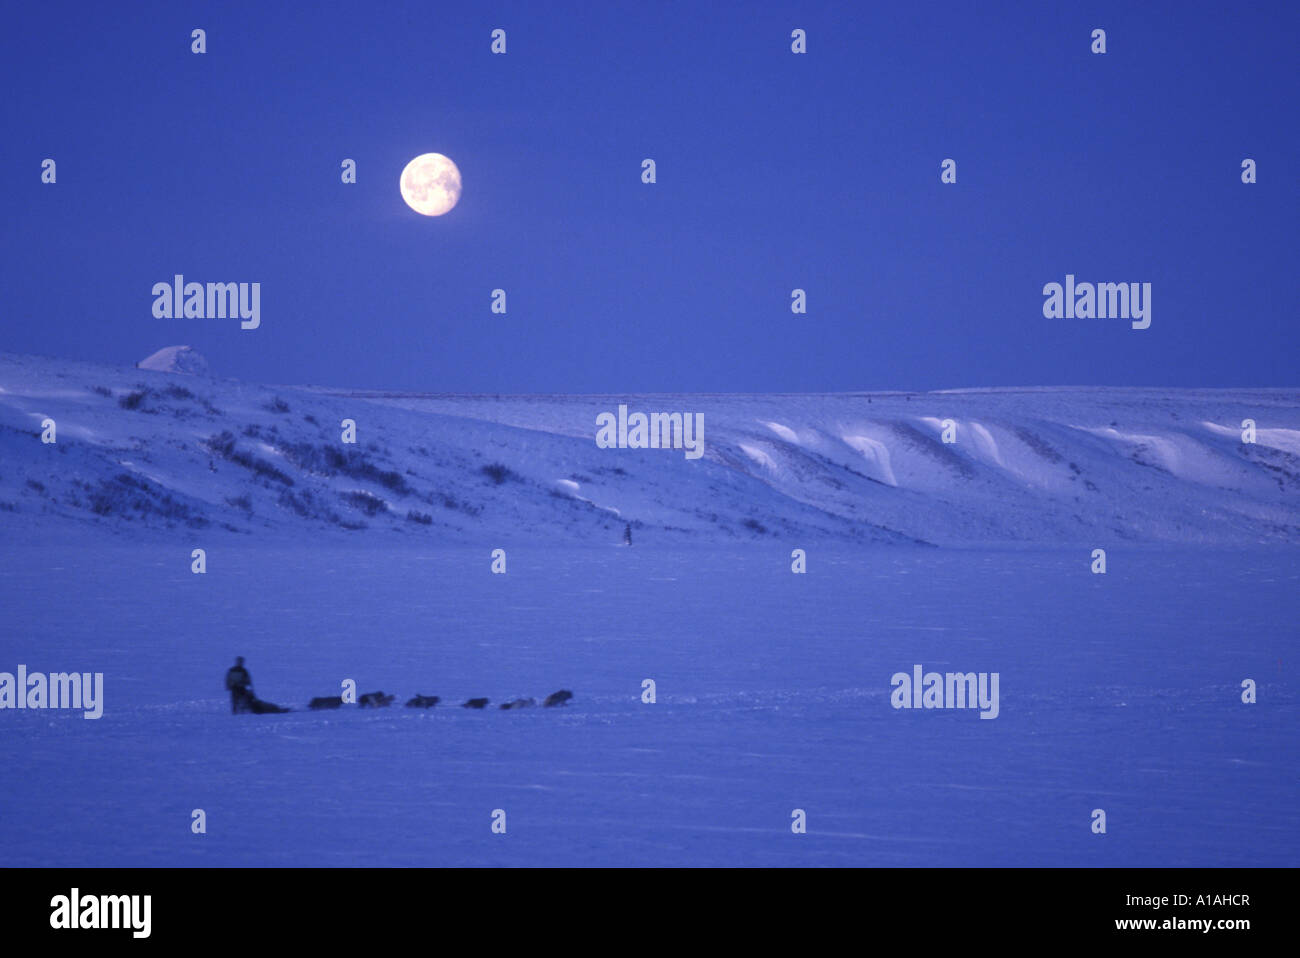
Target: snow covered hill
[
  {"x": 143, "y": 450},
  {"x": 369, "y": 562},
  {"x": 176, "y": 359}
]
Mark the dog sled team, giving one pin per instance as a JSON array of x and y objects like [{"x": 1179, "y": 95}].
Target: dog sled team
[{"x": 242, "y": 698}]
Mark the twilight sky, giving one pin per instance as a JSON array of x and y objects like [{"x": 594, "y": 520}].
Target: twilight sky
[{"x": 775, "y": 171}]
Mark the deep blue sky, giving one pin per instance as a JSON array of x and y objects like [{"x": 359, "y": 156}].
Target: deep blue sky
[{"x": 775, "y": 171}]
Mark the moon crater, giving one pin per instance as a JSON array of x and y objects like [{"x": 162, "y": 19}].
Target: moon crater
[{"x": 430, "y": 184}]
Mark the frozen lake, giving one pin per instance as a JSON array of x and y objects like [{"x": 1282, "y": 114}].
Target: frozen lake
[{"x": 1120, "y": 692}]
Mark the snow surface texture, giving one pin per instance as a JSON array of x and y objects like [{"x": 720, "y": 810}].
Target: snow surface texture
[{"x": 1118, "y": 691}]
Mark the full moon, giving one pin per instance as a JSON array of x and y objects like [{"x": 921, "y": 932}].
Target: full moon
[{"x": 430, "y": 184}]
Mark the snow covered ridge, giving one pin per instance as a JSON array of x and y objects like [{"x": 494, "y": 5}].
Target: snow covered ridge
[{"x": 130, "y": 451}]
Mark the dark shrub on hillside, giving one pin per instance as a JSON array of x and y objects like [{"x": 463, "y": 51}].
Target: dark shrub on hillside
[
  {"x": 498, "y": 473},
  {"x": 370, "y": 505},
  {"x": 223, "y": 445},
  {"x": 131, "y": 497},
  {"x": 330, "y": 460}
]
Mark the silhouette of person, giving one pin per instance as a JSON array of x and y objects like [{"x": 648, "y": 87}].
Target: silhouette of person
[{"x": 240, "y": 684}]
